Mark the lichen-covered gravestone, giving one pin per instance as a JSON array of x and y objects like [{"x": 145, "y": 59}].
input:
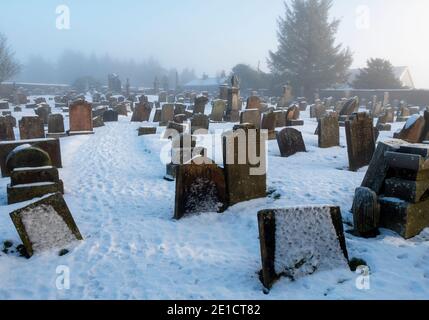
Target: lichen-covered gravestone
[
  {"x": 290, "y": 142},
  {"x": 366, "y": 212},
  {"x": 200, "y": 187},
  {"x": 45, "y": 225},
  {"x": 360, "y": 140},
  {"x": 328, "y": 132},
  {"x": 300, "y": 241}
]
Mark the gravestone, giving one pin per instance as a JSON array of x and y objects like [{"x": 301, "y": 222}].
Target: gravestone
[
  {"x": 80, "y": 117},
  {"x": 97, "y": 122},
  {"x": 200, "y": 187},
  {"x": 179, "y": 108},
  {"x": 218, "y": 111},
  {"x": 110, "y": 116},
  {"x": 45, "y": 225},
  {"x": 366, "y": 213},
  {"x": 43, "y": 111},
  {"x": 200, "y": 104},
  {"x": 121, "y": 109},
  {"x": 287, "y": 97},
  {"x": 350, "y": 107},
  {"x": 142, "y": 131},
  {"x": 4, "y": 105},
  {"x": 280, "y": 118},
  {"x": 6, "y": 130},
  {"x": 173, "y": 129},
  {"x": 223, "y": 92},
  {"x": 253, "y": 102},
  {"x": 328, "y": 132},
  {"x": 292, "y": 117},
  {"x": 245, "y": 163},
  {"x": 252, "y": 116},
  {"x": 162, "y": 97},
  {"x": 296, "y": 242},
  {"x": 233, "y": 108},
  {"x": 269, "y": 123},
  {"x": 167, "y": 114},
  {"x": 157, "y": 115},
  {"x": 56, "y": 126},
  {"x": 183, "y": 149},
  {"x": 200, "y": 122},
  {"x": 360, "y": 140},
  {"x": 317, "y": 110},
  {"x": 290, "y": 142},
  {"x": 31, "y": 128},
  {"x": 413, "y": 131},
  {"x": 180, "y": 118},
  {"x": 141, "y": 112}
]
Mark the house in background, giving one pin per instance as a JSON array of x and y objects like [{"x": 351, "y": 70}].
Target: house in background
[{"x": 206, "y": 84}]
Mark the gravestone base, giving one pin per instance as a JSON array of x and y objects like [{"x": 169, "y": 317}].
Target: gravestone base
[
  {"x": 384, "y": 127},
  {"x": 143, "y": 131},
  {"x": 20, "y": 193},
  {"x": 78, "y": 133},
  {"x": 56, "y": 135},
  {"x": 171, "y": 172},
  {"x": 294, "y": 123}
]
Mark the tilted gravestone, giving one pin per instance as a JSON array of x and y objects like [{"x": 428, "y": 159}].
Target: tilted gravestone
[
  {"x": 328, "y": 132},
  {"x": 200, "y": 187},
  {"x": 413, "y": 131},
  {"x": 360, "y": 140},
  {"x": 31, "y": 128},
  {"x": 80, "y": 116},
  {"x": 56, "y": 126},
  {"x": 6, "y": 130},
  {"x": 269, "y": 123},
  {"x": 141, "y": 112},
  {"x": 45, "y": 225},
  {"x": 245, "y": 164},
  {"x": 292, "y": 116},
  {"x": 300, "y": 241},
  {"x": 350, "y": 107},
  {"x": 290, "y": 142}
]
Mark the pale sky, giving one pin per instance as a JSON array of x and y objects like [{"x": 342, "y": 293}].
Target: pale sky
[{"x": 210, "y": 36}]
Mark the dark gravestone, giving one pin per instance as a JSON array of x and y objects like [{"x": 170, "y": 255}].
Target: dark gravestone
[
  {"x": 157, "y": 115},
  {"x": 110, "y": 116},
  {"x": 45, "y": 225},
  {"x": 200, "y": 122},
  {"x": 97, "y": 122},
  {"x": 252, "y": 116},
  {"x": 290, "y": 142},
  {"x": 244, "y": 159},
  {"x": 43, "y": 111},
  {"x": 56, "y": 126},
  {"x": 180, "y": 118},
  {"x": 328, "y": 132},
  {"x": 167, "y": 114},
  {"x": 200, "y": 104},
  {"x": 296, "y": 242},
  {"x": 173, "y": 129},
  {"x": 179, "y": 108},
  {"x": 142, "y": 131},
  {"x": 366, "y": 212},
  {"x": 360, "y": 140},
  {"x": 218, "y": 110},
  {"x": 6, "y": 130},
  {"x": 26, "y": 156},
  {"x": 351, "y": 106},
  {"x": 200, "y": 187},
  {"x": 31, "y": 128},
  {"x": 280, "y": 118},
  {"x": 269, "y": 123},
  {"x": 141, "y": 112}
]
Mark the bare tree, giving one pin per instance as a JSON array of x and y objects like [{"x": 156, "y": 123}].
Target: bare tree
[{"x": 8, "y": 65}]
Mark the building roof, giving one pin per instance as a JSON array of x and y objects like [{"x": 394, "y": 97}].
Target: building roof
[{"x": 207, "y": 82}]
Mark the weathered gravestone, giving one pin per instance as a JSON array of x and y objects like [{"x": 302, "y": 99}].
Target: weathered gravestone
[
  {"x": 4, "y": 105},
  {"x": 43, "y": 111},
  {"x": 280, "y": 118},
  {"x": 173, "y": 129},
  {"x": 32, "y": 174},
  {"x": 290, "y": 142},
  {"x": 80, "y": 117},
  {"x": 252, "y": 116},
  {"x": 233, "y": 108},
  {"x": 366, "y": 213},
  {"x": 6, "y": 130},
  {"x": 200, "y": 104},
  {"x": 167, "y": 114},
  {"x": 253, "y": 102},
  {"x": 110, "y": 116},
  {"x": 413, "y": 131},
  {"x": 317, "y": 110},
  {"x": 45, "y": 225},
  {"x": 245, "y": 164},
  {"x": 157, "y": 115},
  {"x": 31, "y": 128},
  {"x": 56, "y": 126},
  {"x": 350, "y": 107},
  {"x": 360, "y": 140},
  {"x": 297, "y": 242},
  {"x": 218, "y": 111},
  {"x": 162, "y": 97},
  {"x": 292, "y": 117},
  {"x": 200, "y": 187},
  {"x": 328, "y": 132},
  {"x": 199, "y": 122},
  {"x": 121, "y": 109},
  {"x": 179, "y": 108},
  {"x": 143, "y": 131},
  {"x": 269, "y": 123},
  {"x": 141, "y": 112}
]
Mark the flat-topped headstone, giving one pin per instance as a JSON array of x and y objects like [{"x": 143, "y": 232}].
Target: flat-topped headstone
[
  {"x": 200, "y": 122},
  {"x": 290, "y": 142},
  {"x": 200, "y": 104},
  {"x": 296, "y": 242},
  {"x": 218, "y": 111},
  {"x": 4, "y": 104},
  {"x": 6, "y": 130},
  {"x": 269, "y": 123},
  {"x": 366, "y": 212},
  {"x": 110, "y": 116},
  {"x": 252, "y": 116},
  {"x": 31, "y": 128},
  {"x": 280, "y": 118},
  {"x": 80, "y": 116},
  {"x": 328, "y": 132},
  {"x": 45, "y": 225},
  {"x": 56, "y": 126},
  {"x": 360, "y": 140},
  {"x": 141, "y": 112},
  {"x": 167, "y": 114},
  {"x": 43, "y": 110},
  {"x": 253, "y": 102}
]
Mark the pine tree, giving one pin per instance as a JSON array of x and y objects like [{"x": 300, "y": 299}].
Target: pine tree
[
  {"x": 307, "y": 55},
  {"x": 379, "y": 74},
  {"x": 8, "y": 65}
]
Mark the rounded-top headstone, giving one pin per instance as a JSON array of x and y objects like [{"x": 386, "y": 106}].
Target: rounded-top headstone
[{"x": 26, "y": 156}]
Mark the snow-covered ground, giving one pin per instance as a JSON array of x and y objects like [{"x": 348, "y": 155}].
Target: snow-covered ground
[{"x": 133, "y": 249}]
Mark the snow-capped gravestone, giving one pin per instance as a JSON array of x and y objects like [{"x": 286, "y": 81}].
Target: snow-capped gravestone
[
  {"x": 43, "y": 111},
  {"x": 56, "y": 126},
  {"x": 300, "y": 241},
  {"x": 182, "y": 151},
  {"x": 366, "y": 212},
  {"x": 32, "y": 174},
  {"x": 413, "y": 131},
  {"x": 292, "y": 117},
  {"x": 253, "y": 102},
  {"x": 200, "y": 123},
  {"x": 350, "y": 107},
  {"x": 4, "y": 105},
  {"x": 252, "y": 116},
  {"x": 218, "y": 111},
  {"x": 110, "y": 116},
  {"x": 6, "y": 130},
  {"x": 317, "y": 110},
  {"x": 290, "y": 142},
  {"x": 200, "y": 104},
  {"x": 45, "y": 225},
  {"x": 245, "y": 163},
  {"x": 269, "y": 123},
  {"x": 167, "y": 114},
  {"x": 328, "y": 131},
  {"x": 141, "y": 112},
  {"x": 31, "y": 128},
  {"x": 200, "y": 187},
  {"x": 360, "y": 140},
  {"x": 80, "y": 116}
]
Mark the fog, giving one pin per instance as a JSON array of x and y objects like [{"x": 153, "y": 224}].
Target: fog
[{"x": 146, "y": 38}]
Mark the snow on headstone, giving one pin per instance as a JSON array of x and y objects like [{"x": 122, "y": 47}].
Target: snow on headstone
[
  {"x": 45, "y": 224},
  {"x": 300, "y": 241}
]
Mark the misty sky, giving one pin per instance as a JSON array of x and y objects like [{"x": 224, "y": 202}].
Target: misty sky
[{"x": 210, "y": 35}]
